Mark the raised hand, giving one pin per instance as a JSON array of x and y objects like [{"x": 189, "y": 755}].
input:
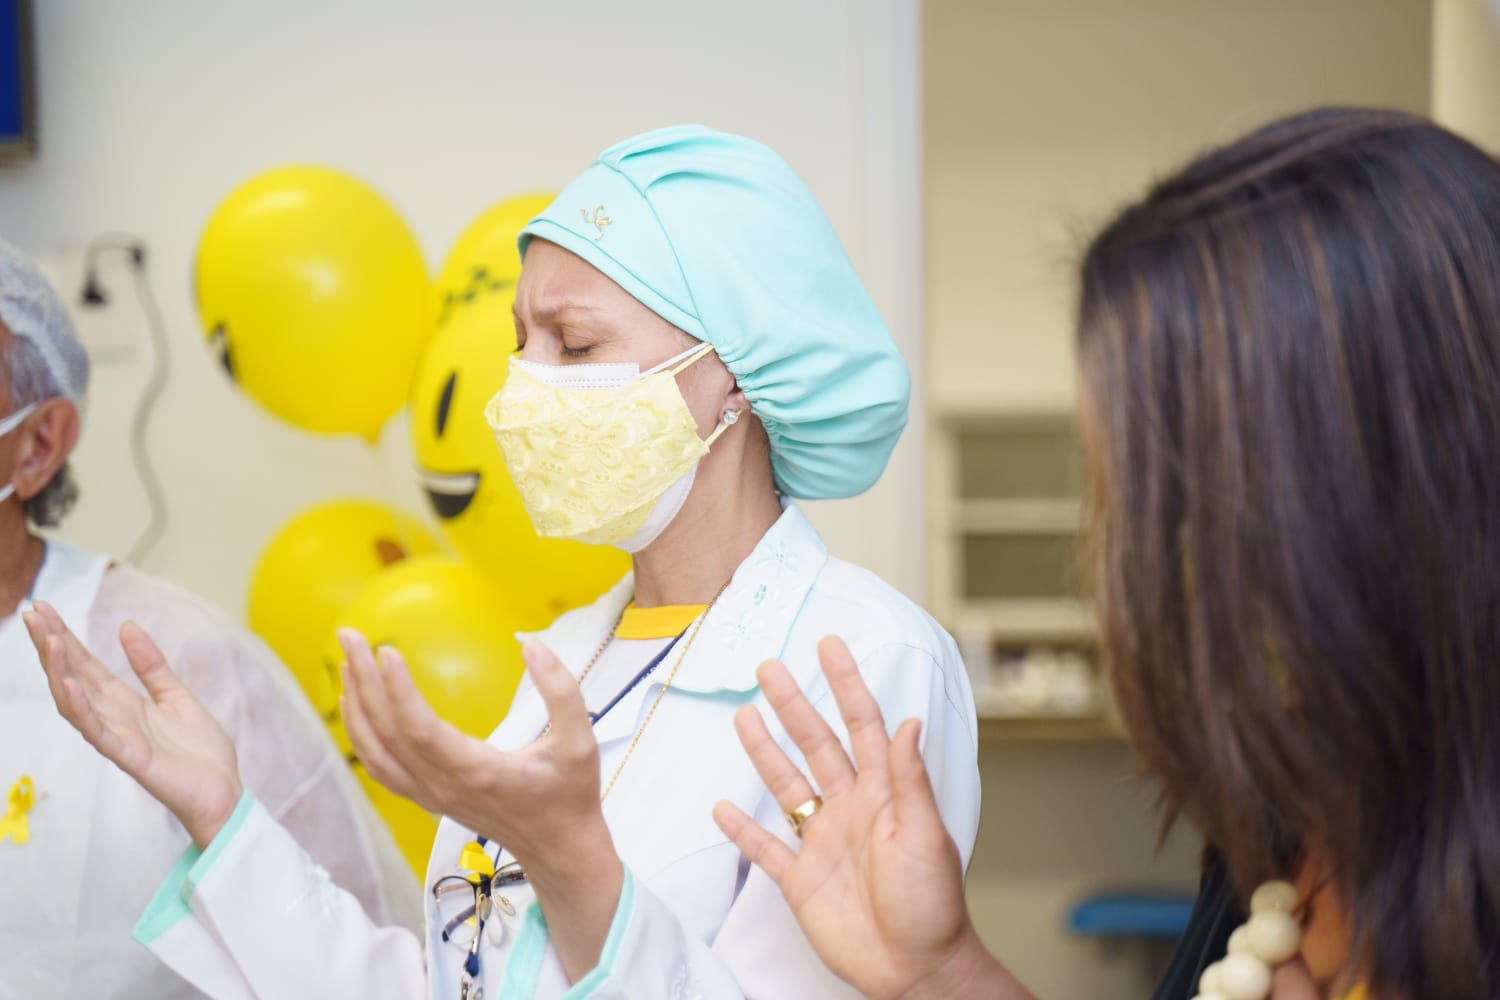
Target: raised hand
[
  {"x": 166, "y": 741},
  {"x": 877, "y": 885},
  {"x": 541, "y": 802}
]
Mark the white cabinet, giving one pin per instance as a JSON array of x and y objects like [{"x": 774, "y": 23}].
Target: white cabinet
[{"x": 1007, "y": 517}]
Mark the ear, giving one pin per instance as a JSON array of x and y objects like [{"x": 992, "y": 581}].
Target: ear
[
  {"x": 47, "y": 439},
  {"x": 737, "y": 401}
]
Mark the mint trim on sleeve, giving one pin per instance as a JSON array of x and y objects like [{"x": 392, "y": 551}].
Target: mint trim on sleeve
[
  {"x": 221, "y": 841},
  {"x": 170, "y": 904},
  {"x": 600, "y": 974},
  {"x": 524, "y": 966}
]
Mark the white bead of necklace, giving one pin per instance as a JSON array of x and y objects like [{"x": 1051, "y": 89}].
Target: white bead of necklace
[{"x": 1271, "y": 936}]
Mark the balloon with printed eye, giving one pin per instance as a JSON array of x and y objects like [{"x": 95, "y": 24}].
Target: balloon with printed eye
[
  {"x": 312, "y": 568},
  {"x": 313, "y": 292},
  {"x": 456, "y": 630},
  {"x": 461, "y": 470}
]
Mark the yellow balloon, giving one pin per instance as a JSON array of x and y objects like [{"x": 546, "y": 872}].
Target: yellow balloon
[
  {"x": 314, "y": 294},
  {"x": 456, "y": 631},
  {"x": 412, "y": 827},
  {"x": 485, "y": 258},
  {"x": 467, "y": 483},
  {"x": 312, "y": 568}
]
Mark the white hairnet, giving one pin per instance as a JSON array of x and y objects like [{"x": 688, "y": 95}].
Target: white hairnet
[{"x": 30, "y": 308}]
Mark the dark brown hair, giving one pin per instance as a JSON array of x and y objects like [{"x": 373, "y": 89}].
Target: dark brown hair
[{"x": 1290, "y": 362}]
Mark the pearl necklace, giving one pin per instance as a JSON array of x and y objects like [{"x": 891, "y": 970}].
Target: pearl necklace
[{"x": 1271, "y": 936}]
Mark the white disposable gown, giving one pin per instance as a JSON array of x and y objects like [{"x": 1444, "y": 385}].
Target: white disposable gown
[{"x": 99, "y": 845}]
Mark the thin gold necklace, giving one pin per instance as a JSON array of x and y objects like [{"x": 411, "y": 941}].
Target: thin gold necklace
[
  {"x": 655, "y": 704},
  {"x": 519, "y": 874}
]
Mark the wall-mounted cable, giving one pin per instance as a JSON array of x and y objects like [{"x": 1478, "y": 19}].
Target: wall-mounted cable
[{"x": 94, "y": 295}]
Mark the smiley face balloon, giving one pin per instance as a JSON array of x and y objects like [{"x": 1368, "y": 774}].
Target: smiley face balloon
[
  {"x": 460, "y": 466},
  {"x": 314, "y": 294}
]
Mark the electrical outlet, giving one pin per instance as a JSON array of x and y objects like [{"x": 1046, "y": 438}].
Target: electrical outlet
[{"x": 112, "y": 331}]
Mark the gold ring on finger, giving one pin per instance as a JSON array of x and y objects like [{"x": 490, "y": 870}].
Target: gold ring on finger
[{"x": 803, "y": 813}]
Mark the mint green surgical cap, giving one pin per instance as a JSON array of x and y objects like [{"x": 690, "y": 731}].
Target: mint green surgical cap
[{"x": 717, "y": 235}]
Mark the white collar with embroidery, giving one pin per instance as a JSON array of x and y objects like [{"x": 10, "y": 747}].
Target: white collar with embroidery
[{"x": 749, "y": 623}]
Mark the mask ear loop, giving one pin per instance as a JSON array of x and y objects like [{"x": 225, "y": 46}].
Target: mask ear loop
[
  {"x": 675, "y": 366},
  {"x": 8, "y": 424},
  {"x": 13, "y": 421},
  {"x": 679, "y": 363}
]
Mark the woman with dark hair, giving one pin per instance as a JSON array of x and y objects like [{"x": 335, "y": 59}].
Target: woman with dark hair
[{"x": 1290, "y": 362}]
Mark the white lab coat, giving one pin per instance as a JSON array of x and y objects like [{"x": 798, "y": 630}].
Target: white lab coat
[
  {"x": 99, "y": 845},
  {"x": 695, "y": 920}
]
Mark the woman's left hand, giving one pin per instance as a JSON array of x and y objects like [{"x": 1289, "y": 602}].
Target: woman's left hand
[{"x": 541, "y": 803}]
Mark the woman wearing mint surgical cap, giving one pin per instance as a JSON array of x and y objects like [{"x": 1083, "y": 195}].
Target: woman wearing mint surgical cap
[{"x": 695, "y": 353}]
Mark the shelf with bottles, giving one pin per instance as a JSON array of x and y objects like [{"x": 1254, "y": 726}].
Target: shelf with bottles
[
  {"x": 1048, "y": 687},
  {"x": 1007, "y": 514}
]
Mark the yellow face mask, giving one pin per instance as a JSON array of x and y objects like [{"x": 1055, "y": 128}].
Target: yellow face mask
[{"x": 602, "y": 454}]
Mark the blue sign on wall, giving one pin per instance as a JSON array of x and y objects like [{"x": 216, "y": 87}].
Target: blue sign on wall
[{"x": 13, "y": 73}]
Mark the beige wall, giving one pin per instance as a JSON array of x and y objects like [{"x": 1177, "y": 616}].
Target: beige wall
[
  {"x": 1041, "y": 116},
  {"x": 1466, "y": 68},
  {"x": 1062, "y": 821},
  {"x": 1044, "y": 115}
]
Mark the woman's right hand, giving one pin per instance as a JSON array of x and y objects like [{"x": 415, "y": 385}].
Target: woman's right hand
[
  {"x": 877, "y": 885},
  {"x": 168, "y": 742}
]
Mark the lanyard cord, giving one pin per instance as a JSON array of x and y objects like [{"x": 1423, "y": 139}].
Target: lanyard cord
[
  {"x": 595, "y": 717},
  {"x": 645, "y": 672}
]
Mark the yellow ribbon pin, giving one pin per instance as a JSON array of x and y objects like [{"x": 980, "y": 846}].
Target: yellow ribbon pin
[
  {"x": 473, "y": 859},
  {"x": 17, "y": 804}
]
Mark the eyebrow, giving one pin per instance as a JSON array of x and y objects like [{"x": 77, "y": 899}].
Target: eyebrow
[{"x": 552, "y": 310}]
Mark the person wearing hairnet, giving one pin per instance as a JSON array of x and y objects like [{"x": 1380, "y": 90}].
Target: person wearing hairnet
[
  {"x": 695, "y": 354},
  {"x": 82, "y": 846}
]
